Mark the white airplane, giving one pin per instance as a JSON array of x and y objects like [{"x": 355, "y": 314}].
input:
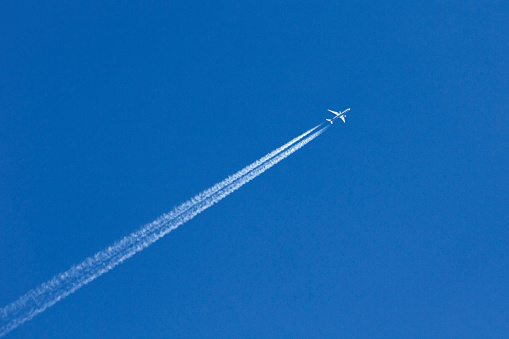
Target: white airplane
[{"x": 339, "y": 114}]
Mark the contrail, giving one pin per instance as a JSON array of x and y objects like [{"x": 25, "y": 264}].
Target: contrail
[
  {"x": 208, "y": 192},
  {"x": 63, "y": 284}
]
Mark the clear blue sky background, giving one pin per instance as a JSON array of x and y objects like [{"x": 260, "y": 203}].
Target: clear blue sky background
[{"x": 392, "y": 225}]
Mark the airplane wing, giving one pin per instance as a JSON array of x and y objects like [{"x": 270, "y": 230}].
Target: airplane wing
[
  {"x": 333, "y": 112},
  {"x": 343, "y": 118}
]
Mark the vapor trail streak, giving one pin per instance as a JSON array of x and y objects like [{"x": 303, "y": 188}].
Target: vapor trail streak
[
  {"x": 208, "y": 192},
  {"x": 63, "y": 284}
]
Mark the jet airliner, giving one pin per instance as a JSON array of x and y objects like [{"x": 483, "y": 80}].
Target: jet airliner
[{"x": 339, "y": 114}]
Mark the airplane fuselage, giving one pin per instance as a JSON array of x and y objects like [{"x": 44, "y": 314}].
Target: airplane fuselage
[{"x": 332, "y": 120}]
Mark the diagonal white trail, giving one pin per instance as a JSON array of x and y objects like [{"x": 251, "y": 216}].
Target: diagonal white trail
[
  {"x": 63, "y": 284},
  {"x": 208, "y": 192}
]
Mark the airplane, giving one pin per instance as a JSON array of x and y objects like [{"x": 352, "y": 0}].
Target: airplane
[{"x": 339, "y": 114}]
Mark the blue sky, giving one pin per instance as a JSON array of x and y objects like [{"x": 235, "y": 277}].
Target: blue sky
[{"x": 392, "y": 225}]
